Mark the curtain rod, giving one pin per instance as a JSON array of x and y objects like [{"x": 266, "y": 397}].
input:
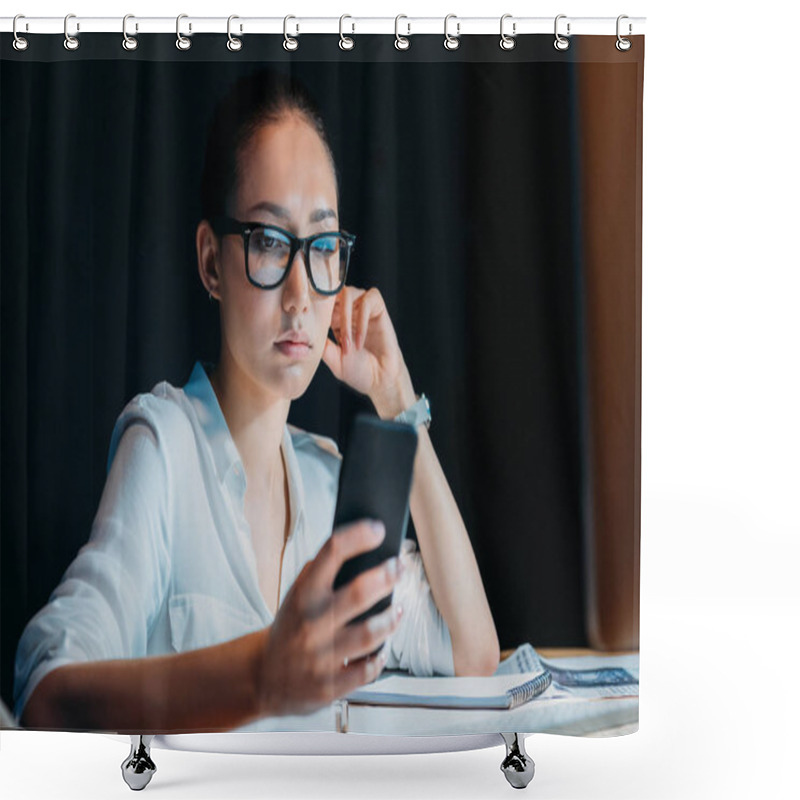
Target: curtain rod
[{"x": 347, "y": 25}]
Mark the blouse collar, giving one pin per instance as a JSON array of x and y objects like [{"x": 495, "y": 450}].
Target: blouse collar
[{"x": 226, "y": 456}]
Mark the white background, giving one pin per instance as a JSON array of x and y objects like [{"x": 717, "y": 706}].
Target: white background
[{"x": 720, "y": 605}]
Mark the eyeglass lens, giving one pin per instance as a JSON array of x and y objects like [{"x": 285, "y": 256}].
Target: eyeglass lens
[{"x": 269, "y": 251}]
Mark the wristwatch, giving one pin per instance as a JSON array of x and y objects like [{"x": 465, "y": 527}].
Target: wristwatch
[{"x": 418, "y": 414}]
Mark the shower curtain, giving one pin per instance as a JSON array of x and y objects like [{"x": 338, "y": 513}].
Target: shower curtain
[{"x": 494, "y": 197}]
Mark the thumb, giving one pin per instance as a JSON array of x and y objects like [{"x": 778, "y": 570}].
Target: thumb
[{"x": 332, "y": 356}]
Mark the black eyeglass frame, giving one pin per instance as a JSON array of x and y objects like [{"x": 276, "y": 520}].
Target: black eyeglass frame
[{"x": 228, "y": 225}]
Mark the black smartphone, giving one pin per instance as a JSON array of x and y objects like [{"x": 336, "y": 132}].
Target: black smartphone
[{"x": 375, "y": 483}]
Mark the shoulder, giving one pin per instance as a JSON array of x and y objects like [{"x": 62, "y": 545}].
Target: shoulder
[{"x": 162, "y": 414}]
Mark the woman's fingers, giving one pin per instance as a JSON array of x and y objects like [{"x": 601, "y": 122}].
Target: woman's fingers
[
  {"x": 345, "y": 542},
  {"x": 361, "y": 593},
  {"x": 356, "y": 641},
  {"x": 347, "y": 678},
  {"x": 345, "y": 318},
  {"x": 369, "y": 304}
]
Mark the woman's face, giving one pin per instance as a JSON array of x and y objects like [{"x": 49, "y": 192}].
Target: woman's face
[{"x": 285, "y": 178}]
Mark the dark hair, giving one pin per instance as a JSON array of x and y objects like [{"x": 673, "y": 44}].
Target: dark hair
[{"x": 254, "y": 100}]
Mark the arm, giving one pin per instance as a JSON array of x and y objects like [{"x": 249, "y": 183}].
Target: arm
[
  {"x": 368, "y": 358},
  {"x": 446, "y": 549},
  {"x": 212, "y": 688}
]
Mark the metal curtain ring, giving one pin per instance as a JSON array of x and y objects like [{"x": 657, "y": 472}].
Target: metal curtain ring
[
  {"x": 129, "y": 42},
  {"x": 451, "y": 42},
  {"x": 560, "y": 42},
  {"x": 70, "y": 42},
  {"x": 182, "y": 43},
  {"x": 623, "y": 44},
  {"x": 233, "y": 44},
  {"x": 288, "y": 42},
  {"x": 507, "y": 42},
  {"x": 400, "y": 42},
  {"x": 20, "y": 42},
  {"x": 345, "y": 42}
]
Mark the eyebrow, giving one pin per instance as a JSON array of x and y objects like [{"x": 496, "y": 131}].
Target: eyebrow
[{"x": 279, "y": 211}]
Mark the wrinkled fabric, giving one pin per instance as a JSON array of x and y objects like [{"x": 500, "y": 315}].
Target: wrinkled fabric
[{"x": 169, "y": 565}]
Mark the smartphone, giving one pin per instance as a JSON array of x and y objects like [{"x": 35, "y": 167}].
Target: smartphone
[{"x": 375, "y": 483}]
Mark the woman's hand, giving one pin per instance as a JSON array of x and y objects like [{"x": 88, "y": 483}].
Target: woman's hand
[
  {"x": 367, "y": 357},
  {"x": 301, "y": 666}
]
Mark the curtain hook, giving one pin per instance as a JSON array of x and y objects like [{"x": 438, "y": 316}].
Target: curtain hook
[
  {"x": 70, "y": 42},
  {"x": 20, "y": 42},
  {"x": 290, "y": 43},
  {"x": 623, "y": 44},
  {"x": 129, "y": 42},
  {"x": 346, "y": 42},
  {"x": 508, "y": 42},
  {"x": 561, "y": 43},
  {"x": 233, "y": 44},
  {"x": 451, "y": 42},
  {"x": 182, "y": 43},
  {"x": 401, "y": 42}
]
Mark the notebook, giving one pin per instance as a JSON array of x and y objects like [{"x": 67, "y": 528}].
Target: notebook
[{"x": 492, "y": 692}]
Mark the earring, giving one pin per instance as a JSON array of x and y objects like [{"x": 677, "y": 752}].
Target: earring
[{"x": 210, "y": 297}]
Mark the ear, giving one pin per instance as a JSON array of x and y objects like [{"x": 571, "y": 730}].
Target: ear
[{"x": 208, "y": 258}]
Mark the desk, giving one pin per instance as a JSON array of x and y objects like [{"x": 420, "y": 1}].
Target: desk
[{"x": 382, "y": 729}]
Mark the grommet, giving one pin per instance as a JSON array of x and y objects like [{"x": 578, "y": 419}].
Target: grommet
[
  {"x": 451, "y": 42},
  {"x": 346, "y": 42},
  {"x": 70, "y": 42},
  {"x": 20, "y": 42},
  {"x": 182, "y": 42},
  {"x": 507, "y": 42},
  {"x": 561, "y": 43},
  {"x": 289, "y": 43},
  {"x": 401, "y": 42},
  {"x": 233, "y": 44},
  {"x": 129, "y": 42},
  {"x": 623, "y": 44}
]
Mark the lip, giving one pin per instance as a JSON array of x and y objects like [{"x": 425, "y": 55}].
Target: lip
[
  {"x": 293, "y": 349},
  {"x": 295, "y": 337}
]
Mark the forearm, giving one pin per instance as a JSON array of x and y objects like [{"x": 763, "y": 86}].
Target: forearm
[
  {"x": 210, "y": 689},
  {"x": 447, "y": 552}
]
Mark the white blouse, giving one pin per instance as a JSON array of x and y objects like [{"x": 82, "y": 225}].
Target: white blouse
[{"x": 170, "y": 565}]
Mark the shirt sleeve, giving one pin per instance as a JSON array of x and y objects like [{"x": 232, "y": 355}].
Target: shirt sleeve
[
  {"x": 421, "y": 644},
  {"x": 103, "y": 606}
]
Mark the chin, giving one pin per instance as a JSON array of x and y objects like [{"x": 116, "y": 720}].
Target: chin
[{"x": 293, "y": 381}]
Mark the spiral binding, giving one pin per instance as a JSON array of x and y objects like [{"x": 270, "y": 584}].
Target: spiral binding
[
  {"x": 451, "y": 40},
  {"x": 530, "y": 689}
]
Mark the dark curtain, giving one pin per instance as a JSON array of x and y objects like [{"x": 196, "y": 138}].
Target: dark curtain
[{"x": 459, "y": 174}]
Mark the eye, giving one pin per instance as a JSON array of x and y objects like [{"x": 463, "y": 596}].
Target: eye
[
  {"x": 326, "y": 244},
  {"x": 268, "y": 240}
]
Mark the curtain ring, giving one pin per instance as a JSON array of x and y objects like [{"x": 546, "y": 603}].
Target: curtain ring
[
  {"x": 400, "y": 42},
  {"x": 507, "y": 42},
  {"x": 289, "y": 43},
  {"x": 20, "y": 42},
  {"x": 182, "y": 43},
  {"x": 561, "y": 43},
  {"x": 233, "y": 44},
  {"x": 129, "y": 42},
  {"x": 623, "y": 44},
  {"x": 346, "y": 42},
  {"x": 451, "y": 42},
  {"x": 70, "y": 42}
]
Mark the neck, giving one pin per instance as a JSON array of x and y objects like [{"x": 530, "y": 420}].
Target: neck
[{"x": 256, "y": 421}]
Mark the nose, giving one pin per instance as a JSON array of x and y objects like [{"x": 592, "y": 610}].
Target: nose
[{"x": 296, "y": 287}]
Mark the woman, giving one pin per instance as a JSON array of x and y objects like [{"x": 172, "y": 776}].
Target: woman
[{"x": 178, "y": 615}]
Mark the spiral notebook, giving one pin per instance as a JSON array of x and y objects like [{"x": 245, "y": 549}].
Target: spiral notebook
[{"x": 495, "y": 691}]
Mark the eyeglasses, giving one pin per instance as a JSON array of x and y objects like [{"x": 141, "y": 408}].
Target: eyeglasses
[{"x": 269, "y": 252}]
